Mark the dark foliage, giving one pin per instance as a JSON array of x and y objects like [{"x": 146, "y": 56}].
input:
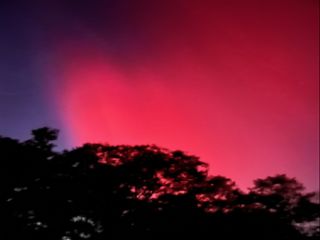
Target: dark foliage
[{"x": 139, "y": 192}]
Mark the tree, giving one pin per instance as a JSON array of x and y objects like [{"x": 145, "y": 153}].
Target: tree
[
  {"x": 286, "y": 198},
  {"x": 43, "y": 139},
  {"x": 101, "y": 191}
]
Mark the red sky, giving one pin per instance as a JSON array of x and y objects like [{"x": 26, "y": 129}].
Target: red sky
[{"x": 233, "y": 82}]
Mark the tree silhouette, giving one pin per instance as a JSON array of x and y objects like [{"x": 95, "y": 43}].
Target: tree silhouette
[{"x": 101, "y": 191}]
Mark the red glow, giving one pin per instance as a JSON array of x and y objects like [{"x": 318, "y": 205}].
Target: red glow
[{"x": 235, "y": 85}]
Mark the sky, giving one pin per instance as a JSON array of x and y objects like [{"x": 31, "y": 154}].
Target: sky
[{"x": 233, "y": 82}]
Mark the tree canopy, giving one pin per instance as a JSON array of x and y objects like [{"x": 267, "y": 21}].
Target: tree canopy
[{"x": 101, "y": 191}]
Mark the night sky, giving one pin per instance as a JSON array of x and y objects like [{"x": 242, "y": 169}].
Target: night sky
[{"x": 233, "y": 82}]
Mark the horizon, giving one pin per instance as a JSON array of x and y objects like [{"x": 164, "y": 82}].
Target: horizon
[{"x": 245, "y": 189}]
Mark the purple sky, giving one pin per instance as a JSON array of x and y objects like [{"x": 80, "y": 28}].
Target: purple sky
[{"x": 233, "y": 82}]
